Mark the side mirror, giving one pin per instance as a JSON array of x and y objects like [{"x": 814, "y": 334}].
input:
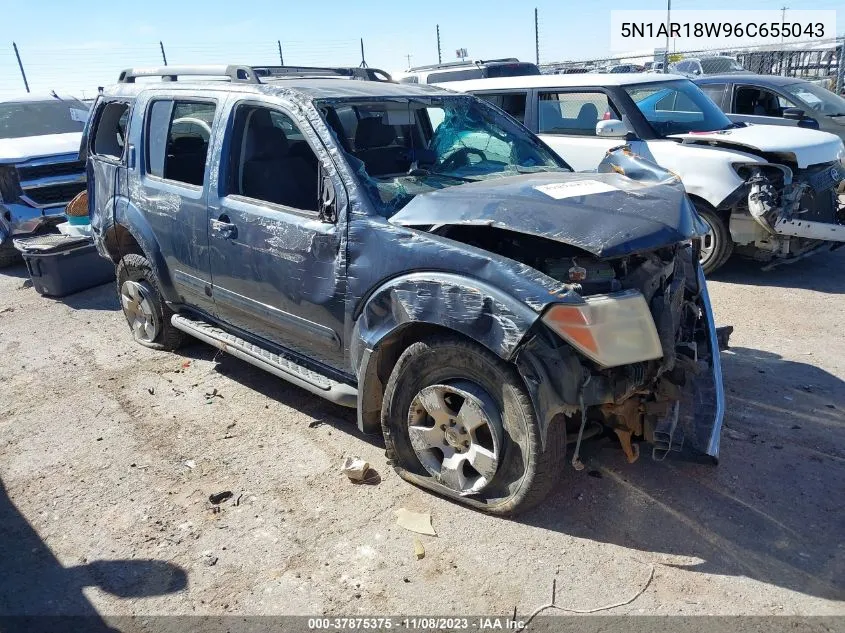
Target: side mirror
[
  {"x": 611, "y": 128},
  {"x": 696, "y": 71},
  {"x": 809, "y": 122},
  {"x": 794, "y": 114}
]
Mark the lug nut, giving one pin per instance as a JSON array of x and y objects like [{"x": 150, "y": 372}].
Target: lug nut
[
  {"x": 466, "y": 444},
  {"x": 461, "y": 429},
  {"x": 451, "y": 423},
  {"x": 442, "y": 427}
]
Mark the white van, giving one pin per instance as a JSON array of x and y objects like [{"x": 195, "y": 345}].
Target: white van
[
  {"x": 461, "y": 71},
  {"x": 768, "y": 192}
]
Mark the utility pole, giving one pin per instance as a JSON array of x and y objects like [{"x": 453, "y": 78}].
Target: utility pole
[
  {"x": 840, "y": 75},
  {"x": 408, "y": 56},
  {"x": 439, "y": 56},
  {"x": 20, "y": 65},
  {"x": 782, "y": 20},
  {"x": 536, "y": 36},
  {"x": 281, "y": 57},
  {"x": 363, "y": 61},
  {"x": 163, "y": 56},
  {"x": 668, "y": 30}
]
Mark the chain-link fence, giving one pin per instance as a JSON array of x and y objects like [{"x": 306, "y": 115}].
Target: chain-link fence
[{"x": 821, "y": 61}]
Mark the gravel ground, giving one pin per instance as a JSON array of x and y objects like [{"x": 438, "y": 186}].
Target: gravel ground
[{"x": 109, "y": 451}]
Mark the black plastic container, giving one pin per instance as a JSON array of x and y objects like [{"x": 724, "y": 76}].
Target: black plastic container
[{"x": 60, "y": 265}]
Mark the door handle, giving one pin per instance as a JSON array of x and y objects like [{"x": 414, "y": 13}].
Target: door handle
[{"x": 224, "y": 229}]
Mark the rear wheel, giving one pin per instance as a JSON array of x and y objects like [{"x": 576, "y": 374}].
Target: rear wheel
[
  {"x": 459, "y": 417},
  {"x": 716, "y": 246},
  {"x": 145, "y": 310}
]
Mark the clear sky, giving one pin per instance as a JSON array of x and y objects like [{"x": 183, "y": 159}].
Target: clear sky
[{"x": 76, "y": 46}]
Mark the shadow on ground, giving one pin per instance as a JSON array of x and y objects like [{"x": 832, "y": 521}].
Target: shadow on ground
[
  {"x": 821, "y": 272},
  {"x": 251, "y": 377},
  {"x": 34, "y": 583},
  {"x": 771, "y": 510}
]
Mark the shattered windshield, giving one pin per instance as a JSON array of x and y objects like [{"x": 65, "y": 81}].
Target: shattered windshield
[
  {"x": 677, "y": 107},
  {"x": 401, "y": 147}
]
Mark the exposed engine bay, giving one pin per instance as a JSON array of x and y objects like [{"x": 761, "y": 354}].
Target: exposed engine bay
[
  {"x": 668, "y": 401},
  {"x": 794, "y": 211}
]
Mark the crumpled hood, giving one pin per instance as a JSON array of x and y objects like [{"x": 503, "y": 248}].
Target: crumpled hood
[
  {"x": 19, "y": 150},
  {"x": 805, "y": 147},
  {"x": 605, "y": 214}
]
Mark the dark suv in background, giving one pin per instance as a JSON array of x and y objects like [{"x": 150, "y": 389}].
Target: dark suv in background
[{"x": 415, "y": 254}]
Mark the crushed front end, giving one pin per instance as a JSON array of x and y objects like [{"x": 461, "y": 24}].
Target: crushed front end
[
  {"x": 783, "y": 213},
  {"x": 671, "y": 401}
]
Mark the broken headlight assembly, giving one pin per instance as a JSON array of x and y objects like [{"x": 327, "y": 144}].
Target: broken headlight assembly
[{"x": 611, "y": 329}]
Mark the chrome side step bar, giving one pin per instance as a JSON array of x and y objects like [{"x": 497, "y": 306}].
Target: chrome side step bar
[{"x": 279, "y": 365}]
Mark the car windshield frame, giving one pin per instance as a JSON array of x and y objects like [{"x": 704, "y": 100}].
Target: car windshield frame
[
  {"x": 831, "y": 103},
  {"x": 44, "y": 117},
  {"x": 466, "y": 119},
  {"x": 713, "y": 119}
]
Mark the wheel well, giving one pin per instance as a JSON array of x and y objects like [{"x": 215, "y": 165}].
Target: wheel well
[
  {"x": 723, "y": 214},
  {"x": 119, "y": 242},
  {"x": 381, "y": 363}
]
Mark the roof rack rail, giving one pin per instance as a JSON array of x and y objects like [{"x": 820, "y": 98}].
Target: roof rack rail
[
  {"x": 238, "y": 73},
  {"x": 468, "y": 62}
]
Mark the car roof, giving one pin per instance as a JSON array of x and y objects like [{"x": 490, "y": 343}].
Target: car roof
[
  {"x": 560, "y": 81},
  {"x": 311, "y": 88},
  {"x": 764, "y": 80}
]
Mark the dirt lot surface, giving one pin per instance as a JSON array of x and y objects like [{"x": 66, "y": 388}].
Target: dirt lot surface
[{"x": 109, "y": 452}]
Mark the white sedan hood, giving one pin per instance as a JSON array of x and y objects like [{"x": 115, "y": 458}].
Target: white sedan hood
[
  {"x": 806, "y": 147},
  {"x": 19, "y": 150}
]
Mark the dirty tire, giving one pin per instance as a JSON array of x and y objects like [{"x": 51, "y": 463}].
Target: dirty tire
[
  {"x": 9, "y": 255},
  {"x": 721, "y": 245},
  {"x": 138, "y": 269},
  {"x": 526, "y": 473}
]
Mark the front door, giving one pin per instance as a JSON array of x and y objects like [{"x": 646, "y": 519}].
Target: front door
[
  {"x": 277, "y": 266},
  {"x": 566, "y": 121},
  {"x": 173, "y": 177}
]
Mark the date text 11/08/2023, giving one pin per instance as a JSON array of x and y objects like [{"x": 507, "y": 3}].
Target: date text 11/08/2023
[{"x": 481, "y": 623}]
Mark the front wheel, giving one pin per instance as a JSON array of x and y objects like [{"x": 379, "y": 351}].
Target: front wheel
[
  {"x": 717, "y": 245},
  {"x": 145, "y": 310},
  {"x": 458, "y": 419}
]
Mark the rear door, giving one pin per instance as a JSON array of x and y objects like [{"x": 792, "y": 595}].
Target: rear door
[
  {"x": 104, "y": 145},
  {"x": 174, "y": 171},
  {"x": 277, "y": 265}
]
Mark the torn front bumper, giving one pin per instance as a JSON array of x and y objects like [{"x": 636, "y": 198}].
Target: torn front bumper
[
  {"x": 672, "y": 403},
  {"x": 18, "y": 219}
]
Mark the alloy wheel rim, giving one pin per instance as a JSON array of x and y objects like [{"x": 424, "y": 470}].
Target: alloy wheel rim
[
  {"x": 456, "y": 432},
  {"x": 707, "y": 246},
  {"x": 137, "y": 302}
]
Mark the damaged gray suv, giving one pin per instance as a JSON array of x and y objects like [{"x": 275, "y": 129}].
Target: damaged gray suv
[{"x": 417, "y": 255}]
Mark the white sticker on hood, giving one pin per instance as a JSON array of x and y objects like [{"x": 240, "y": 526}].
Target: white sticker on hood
[
  {"x": 78, "y": 115},
  {"x": 560, "y": 190}
]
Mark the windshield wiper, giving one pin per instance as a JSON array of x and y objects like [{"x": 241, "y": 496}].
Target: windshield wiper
[{"x": 419, "y": 171}]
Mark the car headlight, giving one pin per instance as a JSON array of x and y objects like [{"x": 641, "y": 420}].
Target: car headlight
[{"x": 613, "y": 329}]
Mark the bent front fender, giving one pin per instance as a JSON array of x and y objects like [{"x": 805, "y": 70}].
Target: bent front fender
[{"x": 464, "y": 305}]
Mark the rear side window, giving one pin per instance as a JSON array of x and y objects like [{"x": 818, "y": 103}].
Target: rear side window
[
  {"x": 178, "y": 135},
  {"x": 110, "y": 134},
  {"x": 513, "y": 104},
  {"x": 512, "y": 70},
  {"x": 716, "y": 92},
  {"x": 574, "y": 113}
]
